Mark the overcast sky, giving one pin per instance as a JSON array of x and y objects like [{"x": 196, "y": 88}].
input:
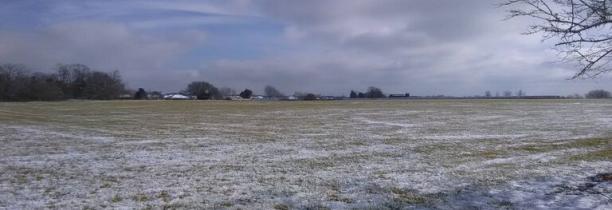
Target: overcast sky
[{"x": 424, "y": 47}]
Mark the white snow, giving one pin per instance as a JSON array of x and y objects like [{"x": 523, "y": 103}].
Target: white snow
[{"x": 342, "y": 154}]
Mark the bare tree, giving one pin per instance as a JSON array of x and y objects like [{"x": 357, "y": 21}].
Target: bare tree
[
  {"x": 141, "y": 94},
  {"x": 246, "y": 93},
  {"x": 225, "y": 91},
  {"x": 575, "y": 96},
  {"x": 13, "y": 81},
  {"x": 374, "y": 92},
  {"x": 598, "y": 94},
  {"x": 507, "y": 93},
  {"x": 102, "y": 85},
  {"x": 310, "y": 97},
  {"x": 73, "y": 79},
  {"x": 581, "y": 28},
  {"x": 203, "y": 90},
  {"x": 273, "y": 92},
  {"x": 44, "y": 87},
  {"x": 353, "y": 94}
]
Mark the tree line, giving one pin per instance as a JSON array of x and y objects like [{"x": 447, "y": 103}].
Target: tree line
[
  {"x": 372, "y": 92},
  {"x": 69, "y": 81},
  {"x": 597, "y": 94},
  {"x": 78, "y": 81},
  {"x": 206, "y": 91}
]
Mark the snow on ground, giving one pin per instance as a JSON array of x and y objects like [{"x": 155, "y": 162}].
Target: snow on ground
[{"x": 491, "y": 154}]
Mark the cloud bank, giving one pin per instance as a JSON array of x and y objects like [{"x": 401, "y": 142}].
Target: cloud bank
[{"x": 330, "y": 47}]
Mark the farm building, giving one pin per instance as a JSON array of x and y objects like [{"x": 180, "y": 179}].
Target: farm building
[
  {"x": 406, "y": 95},
  {"x": 176, "y": 96}
]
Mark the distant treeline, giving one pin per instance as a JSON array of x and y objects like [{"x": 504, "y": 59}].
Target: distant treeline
[
  {"x": 69, "y": 81},
  {"x": 595, "y": 94},
  {"x": 77, "y": 81},
  {"x": 372, "y": 92}
]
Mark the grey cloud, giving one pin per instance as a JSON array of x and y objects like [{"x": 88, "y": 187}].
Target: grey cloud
[
  {"x": 430, "y": 47},
  {"x": 344, "y": 18},
  {"x": 105, "y": 46},
  {"x": 332, "y": 46}
]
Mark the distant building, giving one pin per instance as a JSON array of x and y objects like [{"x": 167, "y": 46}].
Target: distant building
[
  {"x": 406, "y": 95},
  {"x": 177, "y": 96},
  {"x": 541, "y": 97},
  {"x": 331, "y": 98},
  {"x": 126, "y": 96}
]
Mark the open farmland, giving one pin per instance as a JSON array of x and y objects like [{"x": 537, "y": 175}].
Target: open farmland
[{"x": 511, "y": 154}]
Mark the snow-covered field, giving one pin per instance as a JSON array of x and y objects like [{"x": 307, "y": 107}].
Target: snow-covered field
[{"x": 489, "y": 154}]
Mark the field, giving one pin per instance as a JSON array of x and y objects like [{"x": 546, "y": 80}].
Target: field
[{"x": 447, "y": 154}]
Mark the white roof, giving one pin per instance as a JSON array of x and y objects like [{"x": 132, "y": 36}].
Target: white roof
[{"x": 176, "y": 96}]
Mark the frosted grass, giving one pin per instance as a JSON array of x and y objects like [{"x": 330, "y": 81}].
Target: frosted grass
[{"x": 338, "y": 155}]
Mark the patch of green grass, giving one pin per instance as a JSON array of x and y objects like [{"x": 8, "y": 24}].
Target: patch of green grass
[
  {"x": 148, "y": 207},
  {"x": 580, "y": 143},
  {"x": 490, "y": 154},
  {"x": 440, "y": 148},
  {"x": 316, "y": 207},
  {"x": 21, "y": 179},
  {"x": 535, "y": 148},
  {"x": 164, "y": 196},
  {"x": 591, "y": 142},
  {"x": 226, "y": 204},
  {"x": 280, "y": 207},
  {"x": 407, "y": 196},
  {"x": 116, "y": 198},
  {"x": 505, "y": 205},
  {"x": 106, "y": 185},
  {"x": 140, "y": 198},
  {"x": 605, "y": 154},
  {"x": 49, "y": 190},
  {"x": 333, "y": 194},
  {"x": 84, "y": 207},
  {"x": 175, "y": 206},
  {"x": 315, "y": 163}
]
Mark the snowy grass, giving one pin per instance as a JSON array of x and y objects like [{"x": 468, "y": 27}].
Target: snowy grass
[{"x": 286, "y": 155}]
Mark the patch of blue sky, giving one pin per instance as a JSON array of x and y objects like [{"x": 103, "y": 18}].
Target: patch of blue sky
[{"x": 247, "y": 40}]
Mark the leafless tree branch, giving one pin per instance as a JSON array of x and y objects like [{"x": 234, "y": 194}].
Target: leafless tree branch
[{"x": 582, "y": 28}]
